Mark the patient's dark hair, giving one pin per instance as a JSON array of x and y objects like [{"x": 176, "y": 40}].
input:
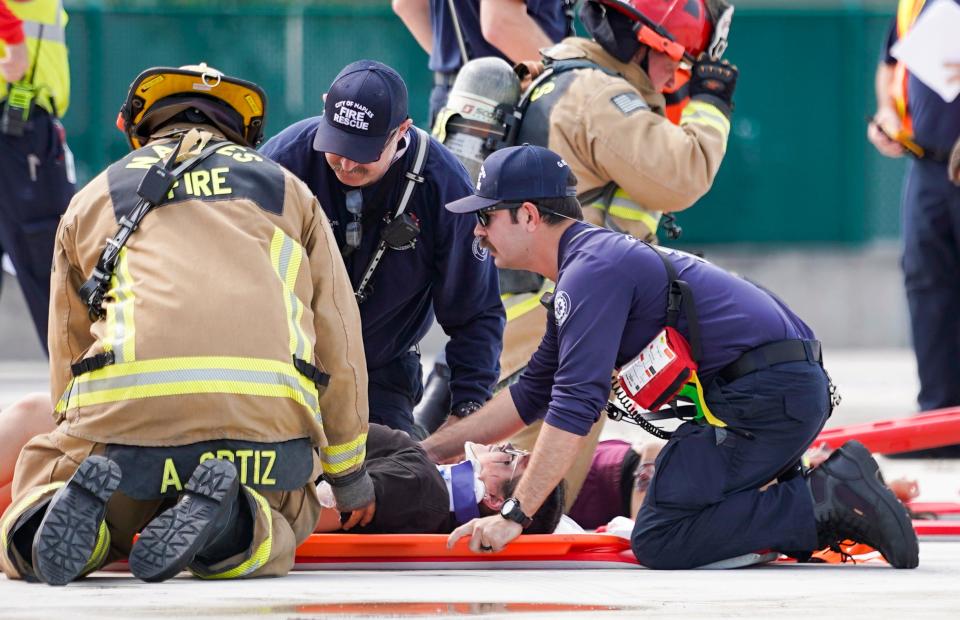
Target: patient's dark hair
[{"x": 546, "y": 519}]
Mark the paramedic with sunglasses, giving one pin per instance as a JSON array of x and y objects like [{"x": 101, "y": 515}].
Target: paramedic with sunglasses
[
  {"x": 383, "y": 183},
  {"x": 764, "y": 391}
]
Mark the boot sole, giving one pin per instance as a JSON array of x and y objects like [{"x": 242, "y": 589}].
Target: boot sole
[
  {"x": 67, "y": 536},
  {"x": 868, "y": 467},
  {"x": 171, "y": 541}
]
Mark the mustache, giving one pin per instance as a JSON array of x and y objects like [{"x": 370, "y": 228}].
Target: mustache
[{"x": 359, "y": 171}]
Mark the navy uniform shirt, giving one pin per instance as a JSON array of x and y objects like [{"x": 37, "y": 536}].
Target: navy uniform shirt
[
  {"x": 446, "y": 273},
  {"x": 936, "y": 123},
  {"x": 611, "y": 301},
  {"x": 445, "y": 57}
]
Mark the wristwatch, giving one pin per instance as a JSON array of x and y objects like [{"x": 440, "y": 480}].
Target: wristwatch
[
  {"x": 511, "y": 511},
  {"x": 465, "y": 408}
]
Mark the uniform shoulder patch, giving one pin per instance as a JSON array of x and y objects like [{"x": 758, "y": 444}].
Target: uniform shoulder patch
[
  {"x": 628, "y": 103},
  {"x": 561, "y": 307}
]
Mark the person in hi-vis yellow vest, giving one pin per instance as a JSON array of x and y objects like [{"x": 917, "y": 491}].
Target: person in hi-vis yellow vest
[{"x": 36, "y": 166}]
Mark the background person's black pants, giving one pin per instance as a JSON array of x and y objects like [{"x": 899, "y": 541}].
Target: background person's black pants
[
  {"x": 34, "y": 192},
  {"x": 394, "y": 390}
]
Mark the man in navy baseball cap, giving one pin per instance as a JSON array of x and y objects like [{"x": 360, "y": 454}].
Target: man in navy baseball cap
[
  {"x": 364, "y": 118},
  {"x": 520, "y": 174},
  {"x": 528, "y": 180},
  {"x": 382, "y": 183}
]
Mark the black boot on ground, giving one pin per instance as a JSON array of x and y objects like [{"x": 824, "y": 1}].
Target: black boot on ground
[
  {"x": 850, "y": 502},
  {"x": 208, "y": 509},
  {"x": 69, "y": 540}
]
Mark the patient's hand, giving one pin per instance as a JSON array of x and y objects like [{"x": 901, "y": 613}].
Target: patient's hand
[{"x": 904, "y": 488}]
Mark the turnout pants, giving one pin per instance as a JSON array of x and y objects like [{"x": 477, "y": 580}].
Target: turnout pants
[
  {"x": 705, "y": 501},
  {"x": 931, "y": 264},
  {"x": 37, "y": 181},
  {"x": 282, "y": 519}
]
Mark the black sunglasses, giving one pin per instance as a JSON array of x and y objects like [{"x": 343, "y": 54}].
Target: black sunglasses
[{"x": 483, "y": 215}]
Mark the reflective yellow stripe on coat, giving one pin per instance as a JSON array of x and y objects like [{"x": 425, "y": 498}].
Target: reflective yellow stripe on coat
[
  {"x": 176, "y": 376},
  {"x": 286, "y": 256},
  {"x": 121, "y": 330},
  {"x": 338, "y": 458},
  {"x": 708, "y": 115},
  {"x": 623, "y": 207}
]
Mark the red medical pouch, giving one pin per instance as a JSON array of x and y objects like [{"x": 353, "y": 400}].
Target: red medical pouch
[{"x": 653, "y": 378}]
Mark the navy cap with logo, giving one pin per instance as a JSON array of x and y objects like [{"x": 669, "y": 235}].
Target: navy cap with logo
[
  {"x": 366, "y": 101},
  {"x": 518, "y": 174}
]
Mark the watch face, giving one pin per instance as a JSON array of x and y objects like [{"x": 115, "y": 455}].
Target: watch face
[{"x": 508, "y": 507}]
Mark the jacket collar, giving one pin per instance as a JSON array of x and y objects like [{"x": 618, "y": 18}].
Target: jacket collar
[{"x": 578, "y": 47}]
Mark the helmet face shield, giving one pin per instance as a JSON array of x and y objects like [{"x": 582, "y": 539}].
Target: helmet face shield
[{"x": 234, "y": 106}]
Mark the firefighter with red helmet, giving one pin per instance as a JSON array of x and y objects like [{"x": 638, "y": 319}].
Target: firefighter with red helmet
[
  {"x": 606, "y": 115},
  {"x": 206, "y": 359}
]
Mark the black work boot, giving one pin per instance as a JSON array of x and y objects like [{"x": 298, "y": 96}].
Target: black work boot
[
  {"x": 72, "y": 538},
  {"x": 850, "y": 502},
  {"x": 207, "y": 507}
]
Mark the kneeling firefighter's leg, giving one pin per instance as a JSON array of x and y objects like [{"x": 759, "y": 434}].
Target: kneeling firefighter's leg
[
  {"x": 57, "y": 533},
  {"x": 209, "y": 520},
  {"x": 282, "y": 520}
]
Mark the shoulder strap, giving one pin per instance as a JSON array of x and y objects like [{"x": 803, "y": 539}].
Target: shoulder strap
[
  {"x": 153, "y": 190},
  {"x": 414, "y": 178},
  {"x": 458, "y": 31},
  {"x": 413, "y": 175},
  {"x": 553, "y": 69},
  {"x": 680, "y": 294}
]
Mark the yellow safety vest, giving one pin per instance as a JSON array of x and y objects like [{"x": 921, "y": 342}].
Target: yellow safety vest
[
  {"x": 907, "y": 12},
  {"x": 44, "y": 24}
]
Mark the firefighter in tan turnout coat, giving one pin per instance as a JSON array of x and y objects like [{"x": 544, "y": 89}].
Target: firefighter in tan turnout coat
[{"x": 207, "y": 372}]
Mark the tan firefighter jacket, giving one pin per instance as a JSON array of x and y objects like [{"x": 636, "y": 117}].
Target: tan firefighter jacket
[
  {"x": 214, "y": 297},
  {"x": 611, "y": 128}
]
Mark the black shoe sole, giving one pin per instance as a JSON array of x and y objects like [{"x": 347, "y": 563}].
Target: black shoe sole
[
  {"x": 67, "y": 536},
  {"x": 868, "y": 467},
  {"x": 169, "y": 543}
]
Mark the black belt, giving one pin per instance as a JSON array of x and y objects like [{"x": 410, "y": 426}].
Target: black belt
[
  {"x": 770, "y": 355},
  {"x": 444, "y": 79}
]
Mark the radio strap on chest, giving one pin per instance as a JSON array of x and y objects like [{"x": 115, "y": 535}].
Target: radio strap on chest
[
  {"x": 677, "y": 292},
  {"x": 414, "y": 177},
  {"x": 666, "y": 369},
  {"x": 154, "y": 189}
]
